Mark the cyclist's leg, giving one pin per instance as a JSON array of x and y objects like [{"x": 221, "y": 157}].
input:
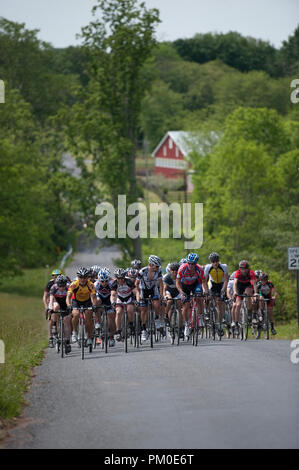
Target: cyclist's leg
[
  {"x": 130, "y": 311},
  {"x": 75, "y": 321},
  {"x": 118, "y": 318},
  {"x": 98, "y": 312},
  {"x": 88, "y": 323},
  {"x": 111, "y": 322}
]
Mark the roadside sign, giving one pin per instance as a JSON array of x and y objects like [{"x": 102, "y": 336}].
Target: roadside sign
[{"x": 293, "y": 253}]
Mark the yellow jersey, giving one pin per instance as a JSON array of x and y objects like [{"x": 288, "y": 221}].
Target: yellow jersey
[{"x": 81, "y": 293}]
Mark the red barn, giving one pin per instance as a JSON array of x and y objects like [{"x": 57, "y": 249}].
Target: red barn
[{"x": 170, "y": 154}]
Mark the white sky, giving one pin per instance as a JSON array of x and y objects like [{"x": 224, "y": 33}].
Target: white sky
[{"x": 60, "y": 20}]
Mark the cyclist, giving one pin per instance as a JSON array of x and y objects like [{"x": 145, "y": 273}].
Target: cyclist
[
  {"x": 244, "y": 282},
  {"x": 149, "y": 283},
  {"x": 230, "y": 296},
  {"x": 58, "y": 294},
  {"x": 81, "y": 293},
  {"x": 103, "y": 287},
  {"x": 94, "y": 271},
  {"x": 136, "y": 264},
  {"x": 122, "y": 291},
  {"x": 216, "y": 274},
  {"x": 46, "y": 296},
  {"x": 267, "y": 291},
  {"x": 190, "y": 278},
  {"x": 170, "y": 290}
]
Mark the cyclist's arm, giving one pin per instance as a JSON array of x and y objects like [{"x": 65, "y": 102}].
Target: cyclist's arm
[
  {"x": 93, "y": 299},
  {"x": 254, "y": 286},
  {"x": 52, "y": 300},
  {"x": 69, "y": 299},
  {"x": 164, "y": 289},
  {"x": 205, "y": 285},
  {"x": 273, "y": 291},
  {"x": 179, "y": 286},
  {"x": 113, "y": 296},
  {"x": 45, "y": 298},
  {"x": 235, "y": 287},
  {"x": 161, "y": 288},
  {"x": 225, "y": 283}
]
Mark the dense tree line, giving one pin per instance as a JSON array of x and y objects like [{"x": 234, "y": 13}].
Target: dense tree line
[{"x": 101, "y": 99}]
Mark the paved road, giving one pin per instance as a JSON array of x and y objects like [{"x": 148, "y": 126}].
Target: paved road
[
  {"x": 227, "y": 394},
  {"x": 219, "y": 395}
]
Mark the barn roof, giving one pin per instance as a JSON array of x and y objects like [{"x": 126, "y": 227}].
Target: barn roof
[
  {"x": 186, "y": 141},
  {"x": 179, "y": 138}
]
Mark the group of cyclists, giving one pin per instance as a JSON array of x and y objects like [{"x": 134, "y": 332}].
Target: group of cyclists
[{"x": 96, "y": 288}]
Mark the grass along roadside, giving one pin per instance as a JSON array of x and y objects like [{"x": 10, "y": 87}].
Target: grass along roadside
[
  {"x": 23, "y": 330},
  {"x": 287, "y": 331}
]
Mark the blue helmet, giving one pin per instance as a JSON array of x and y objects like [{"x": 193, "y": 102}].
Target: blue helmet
[
  {"x": 103, "y": 275},
  {"x": 192, "y": 258}
]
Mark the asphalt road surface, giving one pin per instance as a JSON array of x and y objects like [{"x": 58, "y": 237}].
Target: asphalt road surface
[{"x": 230, "y": 394}]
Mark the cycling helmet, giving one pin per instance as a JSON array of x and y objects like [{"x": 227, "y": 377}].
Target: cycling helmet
[
  {"x": 172, "y": 267},
  {"x": 192, "y": 258},
  {"x": 183, "y": 261},
  {"x": 153, "y": 259},
  {"x": 264, "y": 276},
  {"x": 132, "y": 272},
  {"x": 258, "y": 273},
  {"x": 213, "y": 257},
  {"x": 61, "y": 280},
  {"x": 95, "y": 269},
  {"x": 103, "y": 275},
  {"x": 83, "y": 272},
  {"x": 106, "y": 270},
  {"x": 56, "y": 272},
  {"x": 244, "y": 264},
  {"x": 120, "y": 273},
  {"x": 136, "y": 264}
]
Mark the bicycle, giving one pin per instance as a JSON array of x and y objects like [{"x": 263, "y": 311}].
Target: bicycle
[
  {"x": 137, "y": 327},
  {"x": 174, "y": 322},
  {"x": 262, "y": 322},
  {"x": 101, "y": 334},
  {"x": 215, "y": 321},
  {"x": 227, "y": 320},
  {"x": 150, "y": 324},
  {"x": 82, "y": 339},
  {"x": 59, "y": 339},
  {"x": 197, "y": 319},
  {"x": 244, "y": 321}
]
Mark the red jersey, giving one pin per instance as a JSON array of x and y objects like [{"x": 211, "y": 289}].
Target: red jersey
[
  {"x": 188, "y": 278},
  {"x": 250, "y": 276}
]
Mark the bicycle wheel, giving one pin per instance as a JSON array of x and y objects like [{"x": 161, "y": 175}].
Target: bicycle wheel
[
  {"x": 172, "y": 324},
  {"x": 62, "y": 335},
  {"x": 178, "y": 327},
  {"x": 137, "y": 329},
  {"x": 82, "y": 337},
  {"x": 152, "y": 325},
  {"x": 125, "y": 330},
  {"x": 266, "y": 323}
]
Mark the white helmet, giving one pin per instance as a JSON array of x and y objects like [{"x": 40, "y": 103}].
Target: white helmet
[{"x": 153, "y": 259}]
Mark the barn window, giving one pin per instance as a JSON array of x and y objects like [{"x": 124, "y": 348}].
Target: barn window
[
  {"x": 176, "y": 151},
  {"x": 164, "y": 151},
  {"x": 170, "y": 143}
]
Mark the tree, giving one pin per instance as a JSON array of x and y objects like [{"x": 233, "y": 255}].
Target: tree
[
  {"x": 289, "y": 54},
  {"x": 117, "y": 43},
  {"x": 28, "y": 65},
  {"x": 242, "y": 53}
]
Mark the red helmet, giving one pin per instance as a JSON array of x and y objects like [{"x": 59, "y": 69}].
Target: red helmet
[{"x": 244, "y": 264}]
